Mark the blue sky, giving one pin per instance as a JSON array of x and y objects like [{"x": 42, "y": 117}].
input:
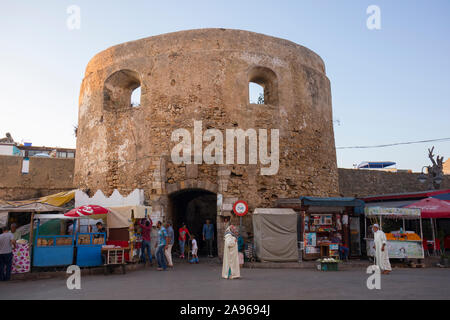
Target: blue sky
[{"x": 389, "y": 85}]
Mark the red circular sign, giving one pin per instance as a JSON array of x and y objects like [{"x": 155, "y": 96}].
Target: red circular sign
[{"x": 240, "y": 208}]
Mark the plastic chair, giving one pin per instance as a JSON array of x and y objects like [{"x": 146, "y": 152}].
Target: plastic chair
[
  {"x": 425, "y": 247},
  {"x": 447, "y": 243},
  {"x": 437, "y": 247}
]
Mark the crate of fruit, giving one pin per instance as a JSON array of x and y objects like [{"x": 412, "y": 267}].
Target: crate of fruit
[{"x": 328, "y": 264}]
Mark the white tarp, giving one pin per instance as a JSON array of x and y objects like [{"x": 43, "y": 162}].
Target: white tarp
[
  {"x": 275, "y": 234},
  {"x": 120, "y": 217},
  {"x": 3, "y": 219}
]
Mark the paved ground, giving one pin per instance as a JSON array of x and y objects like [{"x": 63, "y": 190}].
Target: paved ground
[{"x": 200, "y": 282}]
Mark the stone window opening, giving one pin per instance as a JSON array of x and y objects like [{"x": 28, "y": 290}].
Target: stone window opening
[
  {"x": 122, "y": 91},
  {"x": 263, "y": 86},
  {"x": 255, "y": 93},
  {"x": 136, "y": 97}
]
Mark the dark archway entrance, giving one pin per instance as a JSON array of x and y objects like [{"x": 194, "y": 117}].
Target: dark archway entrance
[{"x": 193, "y": 207}]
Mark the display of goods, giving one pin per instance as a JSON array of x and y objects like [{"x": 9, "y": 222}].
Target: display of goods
[
  {"x": 60, "y": 242},
  {"x": 329, "y": 266},
  {"x": 84, "y": 239},
  {"x": 404, "y": 236},
  {"x": 63, "y": 241},
  {"x": 98, "y": 241}
]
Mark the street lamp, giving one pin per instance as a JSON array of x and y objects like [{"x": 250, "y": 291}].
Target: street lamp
[{"x": 422, "y": 177}]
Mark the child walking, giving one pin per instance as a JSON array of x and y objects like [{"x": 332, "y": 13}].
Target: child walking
[{"x": 194, "y": 250}]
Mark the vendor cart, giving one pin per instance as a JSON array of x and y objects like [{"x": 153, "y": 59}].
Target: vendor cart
[
  {"x": 114, "y": 257},
  {"x": 89, "y": 244},
  {"x": 401, "y": 244},
  {"x": 51, "y": 251},
  {"x": 89, "y": 247}
]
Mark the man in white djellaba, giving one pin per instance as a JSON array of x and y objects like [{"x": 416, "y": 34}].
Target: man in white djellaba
[
  {"x": 230, "y": 268},
  {"x": 381, "y": 251}
]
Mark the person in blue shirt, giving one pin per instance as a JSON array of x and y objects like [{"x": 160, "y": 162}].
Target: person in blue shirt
[
  {"x": 161, "y": 246},
  {"x": 208, "y": 236}
]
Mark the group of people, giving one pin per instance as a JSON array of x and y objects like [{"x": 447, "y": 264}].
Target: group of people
[
  {"x": 163, "y": 244},
  {"x": 166, "y": 239}
]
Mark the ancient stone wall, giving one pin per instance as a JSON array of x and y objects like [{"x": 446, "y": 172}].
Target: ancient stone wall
[
  {"x": 46, "y": 176},
  {"x": 361, "y": 183},
  {"x": 204, "y": 75}
]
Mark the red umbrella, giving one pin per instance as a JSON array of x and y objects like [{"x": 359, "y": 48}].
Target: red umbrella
[
  {"x": 432, "y": 208},
  {"x": 85, "y": 211}
]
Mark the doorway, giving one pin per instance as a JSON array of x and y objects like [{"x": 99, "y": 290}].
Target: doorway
[{"x": 193, "y": 207}]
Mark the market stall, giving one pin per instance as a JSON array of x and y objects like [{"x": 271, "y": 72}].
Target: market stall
[
  {"x": 21, "y": 214},
  {"x": 124, "y": 229},
  {"x": 330, "y": 227},
  {"x": 88, "y": 244},
  {"x": 401, "y": 243},
  {"x": 435, "y": 210}
]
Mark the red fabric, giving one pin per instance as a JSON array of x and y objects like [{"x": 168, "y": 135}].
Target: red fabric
[
  {"x": 425, "y": 244},
  {"x": 447, "y": 242},
  {"x": 122, "y": 244},
  {"x": 432, "y": 208}
]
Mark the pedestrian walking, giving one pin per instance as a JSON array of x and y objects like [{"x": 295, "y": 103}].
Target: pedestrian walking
[
  {"x": 168, "y": 250},
  {"x": 194, "y": 250},
  {"x": 183, "y": 232},
  {"x": 146, "y": 227},
  {"x": 7, "y": 244},
  {"x": 381, "y": 252},
  {"x": 230, "y": 267},
  {"x": 208, "y": 236},
  {"x": 161, "y": 245}
]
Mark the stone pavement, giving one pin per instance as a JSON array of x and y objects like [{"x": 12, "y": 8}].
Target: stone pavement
[{"x": 203, "y": 282}]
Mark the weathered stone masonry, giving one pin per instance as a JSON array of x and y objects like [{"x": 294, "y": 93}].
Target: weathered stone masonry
[{"x": 204, "y": 75}]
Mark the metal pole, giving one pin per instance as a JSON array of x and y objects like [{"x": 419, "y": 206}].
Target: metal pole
[
  {"x": 434, "y": 237},
  {"x": 421, "y": 234},
  {"x": 240, "y": 225}
]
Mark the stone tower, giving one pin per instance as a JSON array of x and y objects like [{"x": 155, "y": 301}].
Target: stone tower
[{"x": 204, "y": 75}]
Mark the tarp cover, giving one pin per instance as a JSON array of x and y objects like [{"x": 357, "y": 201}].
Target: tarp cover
[
  {"x": 332, "y": 202},
  {"x": 275, "y": 234},
  {"x": 120, "y": 217},
  {"x": 57, "y": 200}
]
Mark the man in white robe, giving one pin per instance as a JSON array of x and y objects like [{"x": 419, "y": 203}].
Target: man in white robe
[
  {"x": 381, "y": 251},
  {"x": 230, "y": 268}
]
